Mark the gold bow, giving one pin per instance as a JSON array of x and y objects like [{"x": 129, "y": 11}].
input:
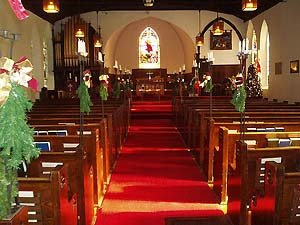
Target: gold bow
[
  {"x": 5, "y": 88},
  {"x": 11, "y": 71}
]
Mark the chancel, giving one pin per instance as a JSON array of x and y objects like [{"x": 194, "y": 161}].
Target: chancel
[{"x": 148, "y": 112}]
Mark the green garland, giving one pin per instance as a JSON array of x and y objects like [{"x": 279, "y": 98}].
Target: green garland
[
  {"x": 85, "y": 99},
  {"x": 116, "y": 90},
  {"x": 239, "y": 99},
  {"x": 16, "y": 145},
  {"x": 209, "y": 86},
  {"x": 103, "y": 92}
]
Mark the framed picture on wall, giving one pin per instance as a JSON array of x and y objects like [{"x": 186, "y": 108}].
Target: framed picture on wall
[
  {"x": 278, "y": 68},
  {"x": 294, "y": 66},
  {"x": 221, "y": 42}
]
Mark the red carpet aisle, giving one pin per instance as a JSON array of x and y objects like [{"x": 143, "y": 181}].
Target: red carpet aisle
[{"x": 155, "y": 178}]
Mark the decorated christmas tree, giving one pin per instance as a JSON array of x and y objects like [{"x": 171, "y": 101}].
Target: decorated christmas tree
[{"x": 253, "y": 86}]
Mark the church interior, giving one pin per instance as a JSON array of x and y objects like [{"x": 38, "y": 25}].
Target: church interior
[{"x": 149, "y": 112}]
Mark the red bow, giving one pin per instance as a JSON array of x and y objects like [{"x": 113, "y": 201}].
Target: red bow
[{"x": 18, "y": 9}]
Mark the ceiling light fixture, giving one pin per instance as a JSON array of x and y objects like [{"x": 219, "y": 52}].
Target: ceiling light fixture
[
  {"x": 148, "y": 3},
  {"x": 51, "y": 6},
  {"x": 97, "y": 36},
  {"x": 249, "y": 5}
]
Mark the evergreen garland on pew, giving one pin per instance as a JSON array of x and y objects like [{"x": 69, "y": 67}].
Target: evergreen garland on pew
[
  {"x": 103, "y": 90},
  {"x": 85, "y": 99},
  {"x": 16, "y": 137},
  {"x": 209, "y": 86},
  {"x": 240, "y": 95},
  {"x": 239, "y": 99},
  {"x": 16, "y": 145}
]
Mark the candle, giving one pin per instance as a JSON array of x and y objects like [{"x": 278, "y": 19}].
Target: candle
[
  {"x": 244, "y": 45},
  {"x": 120, "y": 67},
  {"x": 116, "y": 64},
  {"x": 240, "y": 46},
  {"x": 183, "y": 67},
  {"x": 247, "y": 44},
  {"x": 179, "y": 69},
  {"x": 100, "y": 57}
]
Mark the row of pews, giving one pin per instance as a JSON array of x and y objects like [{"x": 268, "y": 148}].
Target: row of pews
[
  {"x": 253, "y": 167},
  {"x": 66, "y": 184}
]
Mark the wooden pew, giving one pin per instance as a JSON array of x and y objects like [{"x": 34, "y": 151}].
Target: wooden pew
[
  {"x": 279, "y": 205},
  {"x": 48, "y": 198},
  {"x": 246, "y": 179},
  {"x": 225, "y": 157},
  {"x": 81, "y": 170},
  {"x": 211, "y": 135},
  {"x": 108, "y": 152}
]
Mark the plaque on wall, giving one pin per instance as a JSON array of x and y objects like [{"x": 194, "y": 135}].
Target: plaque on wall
[
  {"x": 278, "y": 68},
  {"x": 221, "y": 42}
]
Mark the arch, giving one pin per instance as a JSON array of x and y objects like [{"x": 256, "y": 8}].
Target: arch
[
  {"x": 185, "y": 45},
  {"x": 264, "y": 56},
  {"x": 226, "y": 21},
  {"x": 149, "y": 49}
]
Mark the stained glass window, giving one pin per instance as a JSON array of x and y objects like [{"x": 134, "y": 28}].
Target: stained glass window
[
  {"x": 149, "y": 49},
  {"x": 254, "y": 48}
]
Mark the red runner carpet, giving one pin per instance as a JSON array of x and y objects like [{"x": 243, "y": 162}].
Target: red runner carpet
[{"x": 155, "y": 177}]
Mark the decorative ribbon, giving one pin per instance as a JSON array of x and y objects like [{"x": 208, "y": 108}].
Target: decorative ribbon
[
  {"x": 11, "y": 71},
  {"x": 18, "y": 9},
  {"x": 87, "y": 78},
  {"x": 5, "y": 88}
]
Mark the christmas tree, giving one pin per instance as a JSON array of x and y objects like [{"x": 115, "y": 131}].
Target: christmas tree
[{"x": 253, "y": 86}]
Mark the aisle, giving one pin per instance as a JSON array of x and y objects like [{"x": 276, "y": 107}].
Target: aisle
[{"x": 155, "y": 178}]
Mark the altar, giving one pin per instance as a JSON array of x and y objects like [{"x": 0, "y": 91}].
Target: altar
[{"x": 149, "y": 81}]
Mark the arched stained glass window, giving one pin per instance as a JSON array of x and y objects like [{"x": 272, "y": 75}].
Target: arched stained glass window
[
  {"x": 254, "y": 48},
  {"x": 149, "y": 49}
]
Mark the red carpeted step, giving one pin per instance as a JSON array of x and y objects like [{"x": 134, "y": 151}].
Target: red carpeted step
[{"x": 155, "y": 177}]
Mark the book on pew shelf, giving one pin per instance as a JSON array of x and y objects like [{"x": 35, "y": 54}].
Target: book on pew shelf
[
  {"x": 279, "y": 129},
  {"x": 67, "y": 123},
  {"x": 43, "y": 146},
  {"x": 295, "y": 141},
  {"x": 273, "y": 142},
  {"x": 42, "y": 132},
  {"x": 232, "y": 131},
  {"x": 273, "y": 159},
  {"x": 251, "y": 129},
  {"x": 270, "y": 129},
  {"x": 251, "y": 142},
  {"x": 58, "y": 132},
  {"x": 284, "y": 142},
  {"x": 260, "y": 129},
  {"x": 85, "y": 132}
]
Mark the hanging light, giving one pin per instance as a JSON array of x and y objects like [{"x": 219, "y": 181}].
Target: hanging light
[
  {"x": 148, "y": 3},
  {"x": 218, "y": 27},
  {"x": 199, "y": 40},
  {"x": 97, "y": 37},
  {"x": 51, "y": 6},
  {"x": 249, "y": 5},
  {"x": 97, "y": 42},
  {"x": 79, "y": 31}
]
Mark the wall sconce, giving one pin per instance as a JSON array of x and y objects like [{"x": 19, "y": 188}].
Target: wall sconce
[{"x": 9, "y": 36}]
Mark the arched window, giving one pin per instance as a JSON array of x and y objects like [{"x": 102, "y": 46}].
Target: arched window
[
  {"x": 149, "y": 49},
  {"x": 254, "y": 48},
  {"x": 264, "y": 55}
]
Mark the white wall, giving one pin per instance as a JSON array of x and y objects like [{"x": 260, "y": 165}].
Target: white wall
[
  {"x": 283, "y": 22},
  {"x": 178, "y": 30},
  {"x": 34, "y": 31}
]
